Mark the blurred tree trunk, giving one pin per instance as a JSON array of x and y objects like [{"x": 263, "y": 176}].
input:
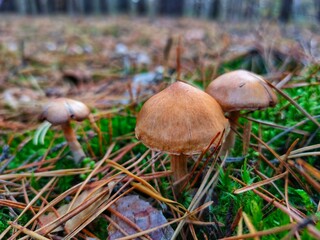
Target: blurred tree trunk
[
  {"x": 51, "y": 7},
  {"x": 112, "y": 7},
  {"x": 142, "y": 8},
  {"x": 238, "y": 10},
  {"x": 124, "y": 6},
  {"x": 96, "y": 7},
  {"x": 152, "y": 9},
  {"x": 7, "y": 6},
  {"x": 172, "y": 8},
  {"x": 80, "y": 6},
  {"x": 70, "y": 7},
  {"x": 21, "y": 6},
  {"x": 251, "y": 9},
  {"x": 188, "y": 8},
  {"x": 215, "y": 9},
  {"x": 43, "y": 6},
  {"x": 133, "y": 8},
  {"x": 32, "y": 7},
  {"x": 234, "y": 9},
  {"x": 205, "y": 9},
  {"x": 286, "y": 10},
  {"x": 317, "y": 7}
]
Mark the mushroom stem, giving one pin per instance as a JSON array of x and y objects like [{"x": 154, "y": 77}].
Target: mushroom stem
[
  {"x": 75, "y": 147},
  {"x": 180, "y": 170},
  {"x": 231, "y": 137}
]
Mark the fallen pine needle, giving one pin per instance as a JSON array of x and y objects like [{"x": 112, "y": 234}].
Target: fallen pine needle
[
  {"x": 250, "y": 226},
  {"x": 262, "y": 233},
  {"x": 28, "y": 232},
  {"x": 259, "y": 184}
]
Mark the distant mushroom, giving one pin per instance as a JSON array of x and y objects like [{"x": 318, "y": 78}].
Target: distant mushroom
[
  {"x": 240, "y": 90},
  {"x": 61, "y": 111},
  {"x": 180, "y": 120}
]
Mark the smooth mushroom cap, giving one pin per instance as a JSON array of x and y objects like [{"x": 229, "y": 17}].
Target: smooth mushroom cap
[
  {"x": 181, "y": 119},
  {"x": 62, "y": 110},
  {"x": 241, "y": 90}
]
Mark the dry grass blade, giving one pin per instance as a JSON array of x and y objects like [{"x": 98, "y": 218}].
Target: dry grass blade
[
  {"x": 13, "y": 204},
  {"x": 300, "y": 150},
  {"x": 306, "y": 154},
  {"x": 262, "y": 233},
  {"x": 273, "y": 125},
  {"x": 259, "y": 184},
  {"x": 55, "y": 173},
  {"x": 288, "y": 203},
  {"x": 240, "y": 226},
  {"x": 193, "y": 232},
  {"x": 155, "y": 175},
  {"x": 201, "y": 223},
  {"x": 284, "y": 81},
  {"x": 291, "y": 129},
  {"x": 312, "y": 170},
  {"x": 28, "y": 232},
  {"x": 273, "y": 184},
  {"x": 307, "y": 176},
  {"x": 250, "y": 226},
  {"x": 157, "y": 196}
]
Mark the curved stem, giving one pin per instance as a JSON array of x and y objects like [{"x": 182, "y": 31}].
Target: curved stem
[
  {"x": 75, "y": 147},
  {"x": 231, "y": 137},
  {"x": 180, "y": 170}
]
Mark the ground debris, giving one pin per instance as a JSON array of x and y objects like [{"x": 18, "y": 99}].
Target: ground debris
[{"x": 142, "y": 214}]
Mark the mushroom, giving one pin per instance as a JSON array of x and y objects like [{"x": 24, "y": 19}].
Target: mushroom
[
  {"x": 61, "y": 111},
  {"x": 240, "y": 90},
  {"x": 180, "y": 120}
]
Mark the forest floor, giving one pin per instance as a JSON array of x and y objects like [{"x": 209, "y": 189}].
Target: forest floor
[{"x": 267, "y": 188}]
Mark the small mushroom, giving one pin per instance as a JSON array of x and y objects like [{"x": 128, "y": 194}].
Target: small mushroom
[
  {"x": 61, "y": 111},
  {"x": 240, "y": 90},
  {"x": 180, "y": 120}
]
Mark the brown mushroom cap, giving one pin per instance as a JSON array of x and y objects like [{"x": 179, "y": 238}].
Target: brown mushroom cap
[
  {"x": 62, "y": 110},
  {"x": 181, "y": 119},
  {"x": 241, "y": 90}
]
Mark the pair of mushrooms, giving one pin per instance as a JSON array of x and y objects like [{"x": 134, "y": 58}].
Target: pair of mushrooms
[{"x": 182, "y": 120}]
